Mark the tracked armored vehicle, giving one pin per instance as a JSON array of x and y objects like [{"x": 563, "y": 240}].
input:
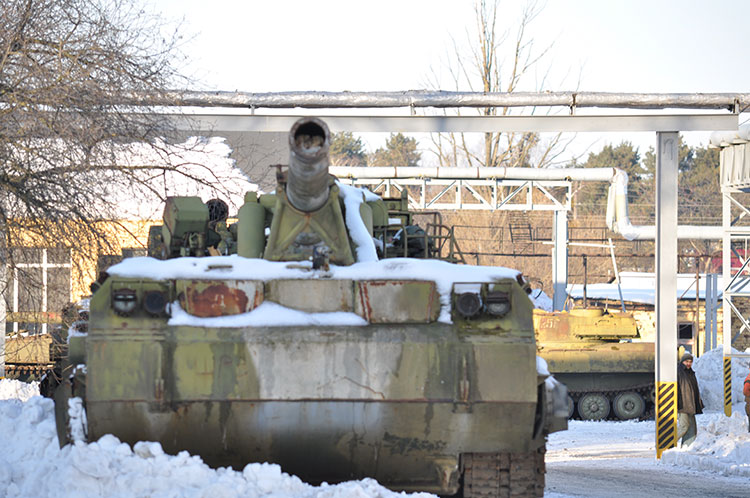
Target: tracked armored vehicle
[
  {"x": 305, "y": 350},
  {"x": 596, "y": 354}
]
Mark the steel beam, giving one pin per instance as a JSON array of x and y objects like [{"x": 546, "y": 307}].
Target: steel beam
[
  {"x": 217, "y": 123},
  {"x": 666, "y": 290}
]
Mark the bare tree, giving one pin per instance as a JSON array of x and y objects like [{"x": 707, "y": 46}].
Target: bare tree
[
  {"x": 499, "y": 61},
  {"x": 65, "y": 142}
]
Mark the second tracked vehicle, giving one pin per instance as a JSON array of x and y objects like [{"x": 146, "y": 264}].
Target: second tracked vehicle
[{"x": 596, "y": 354}]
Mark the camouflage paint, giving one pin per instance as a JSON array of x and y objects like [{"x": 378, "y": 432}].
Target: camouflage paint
[{"x": 397, "y": 402}]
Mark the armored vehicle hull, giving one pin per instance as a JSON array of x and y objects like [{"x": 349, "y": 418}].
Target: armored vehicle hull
[{"x": 421, "y": 374}]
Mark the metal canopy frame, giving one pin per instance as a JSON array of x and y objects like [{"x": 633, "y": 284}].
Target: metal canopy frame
[
  {"x": 666, "y": 126},
  {"x": 472, "y": 195},
  {"x": 735, "y": 180}
]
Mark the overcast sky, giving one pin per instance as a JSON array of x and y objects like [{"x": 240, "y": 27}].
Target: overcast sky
[{"x": 627, "y": 46}]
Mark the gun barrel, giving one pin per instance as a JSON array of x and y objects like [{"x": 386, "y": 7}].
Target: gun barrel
[{"x": 307, "y": 179}]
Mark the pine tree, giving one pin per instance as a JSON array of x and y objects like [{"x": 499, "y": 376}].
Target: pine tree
[
  {"x": 399, "y": 150},
  {"x": 347, "y": 150}
]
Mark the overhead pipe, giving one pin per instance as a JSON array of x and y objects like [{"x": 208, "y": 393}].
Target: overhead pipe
[
  {"x": 734, "y": 102},
  {"x": 617, "y": 199},
  {"x": 618, "y": 220}
]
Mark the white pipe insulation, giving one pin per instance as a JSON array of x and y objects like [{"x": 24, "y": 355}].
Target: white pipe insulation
[
  {"x": 617, "y": 199},
  {"x": 618, "y": 220}
]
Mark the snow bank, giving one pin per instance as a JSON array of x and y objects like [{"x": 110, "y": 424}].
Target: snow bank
[
  {"x": 709, "y": 370},
  {"x": 14, "y": 389},
  {"x": 32, "y": 464},
  {"x": 722, "y": 445}
]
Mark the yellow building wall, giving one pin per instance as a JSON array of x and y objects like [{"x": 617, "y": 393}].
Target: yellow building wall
[
  {"x": 85, "y": 252},
  {"x": 123, "y": 234},
  {"x": 646, "y": 320}
]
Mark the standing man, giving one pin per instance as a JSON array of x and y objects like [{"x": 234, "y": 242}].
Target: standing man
[
  {"x": 746, "y": 392},
  {"x": 688, "y": 400}
]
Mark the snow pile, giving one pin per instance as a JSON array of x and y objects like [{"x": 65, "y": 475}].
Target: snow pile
[
  {"x": 639, "y": 287},
  {"x": 14, "y": 389},
  {"x": 726, "y": 138},
  {"x": 235, "y": 267},
  {"x": 709, "y": 370},
  {"x": 541, "y": 300},
  {"x": 722, "y": 445},
  {"x": 32, "y": 464},
  {"x": 268, "y": 314},
  {"x": 353, "y": 198}
]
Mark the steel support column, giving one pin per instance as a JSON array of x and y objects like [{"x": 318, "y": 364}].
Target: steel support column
[
  {"x": 560, "y": 260},
  {"x": 666, "y": 290},
  {"x": 726, "y": 250},
  {"x": 711, "y": 305}
]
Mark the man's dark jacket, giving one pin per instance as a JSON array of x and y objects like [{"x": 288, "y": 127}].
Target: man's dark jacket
[{"x": 688, "y": 396}]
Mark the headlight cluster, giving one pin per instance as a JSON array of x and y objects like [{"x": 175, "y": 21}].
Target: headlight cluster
[
  {"x": 472, "y": 300},
  {"x": 126, "y": 301}
]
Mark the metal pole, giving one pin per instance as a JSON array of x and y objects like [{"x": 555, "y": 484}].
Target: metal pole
[
  {"x": 560, "y": 260},
  {"x": 713, "y": 298},
  {"x": 666, "y": 291},
  {"x": 696, "y": 319},
  {"x": 585, "y": 281},
  {"x": 3, "y": 309},
  {"x": 726, "y": 331},
  {"x": 617, "y": 273},
  {"x": 710, "y": 311}
]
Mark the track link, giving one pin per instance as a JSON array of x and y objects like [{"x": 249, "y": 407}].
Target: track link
[{"x": 503, "y": 474}]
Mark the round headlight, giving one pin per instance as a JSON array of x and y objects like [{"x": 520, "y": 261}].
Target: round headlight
[
  {"x": 155, "y": 302},
  {"x": 124, "y": 301},
  {"x": 468, "y": 304},
  {"x": 497, "y": 303}
]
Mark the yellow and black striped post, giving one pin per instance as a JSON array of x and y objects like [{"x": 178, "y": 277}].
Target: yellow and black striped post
[
  {"x": 665, "y": 269},
  {"x": 666, "y": 416},
  {"x": 727, "y": 386}
]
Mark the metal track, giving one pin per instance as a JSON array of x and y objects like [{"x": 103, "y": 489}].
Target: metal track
[
  {"x": 19, "y": 370},
  {"x": 646, "y": 390},
  {"x": 503, "y": 474}
]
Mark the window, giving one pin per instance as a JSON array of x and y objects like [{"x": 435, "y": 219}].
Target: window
[
  {"x": 38, "y": 287},
  {"x": 685, "y": 331}
]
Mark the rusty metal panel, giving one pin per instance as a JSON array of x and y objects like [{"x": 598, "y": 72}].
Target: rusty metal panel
[
  {"x": 210, "y": 298},
  {"x": 397, "y": 301},
  {"x": 585, "y": 324},
  {"x": 28, "y": 349},
  {"x": 312, "y": 296}
]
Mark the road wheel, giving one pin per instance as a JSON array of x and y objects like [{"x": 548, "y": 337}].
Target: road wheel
[
  {"x": 593, "y": 406},
  {"x": 571, "y": 406},
  {"x": 628, "y": 405}
]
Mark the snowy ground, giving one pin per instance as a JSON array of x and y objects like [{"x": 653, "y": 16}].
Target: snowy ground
[{"x": 590, "y": 459}]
